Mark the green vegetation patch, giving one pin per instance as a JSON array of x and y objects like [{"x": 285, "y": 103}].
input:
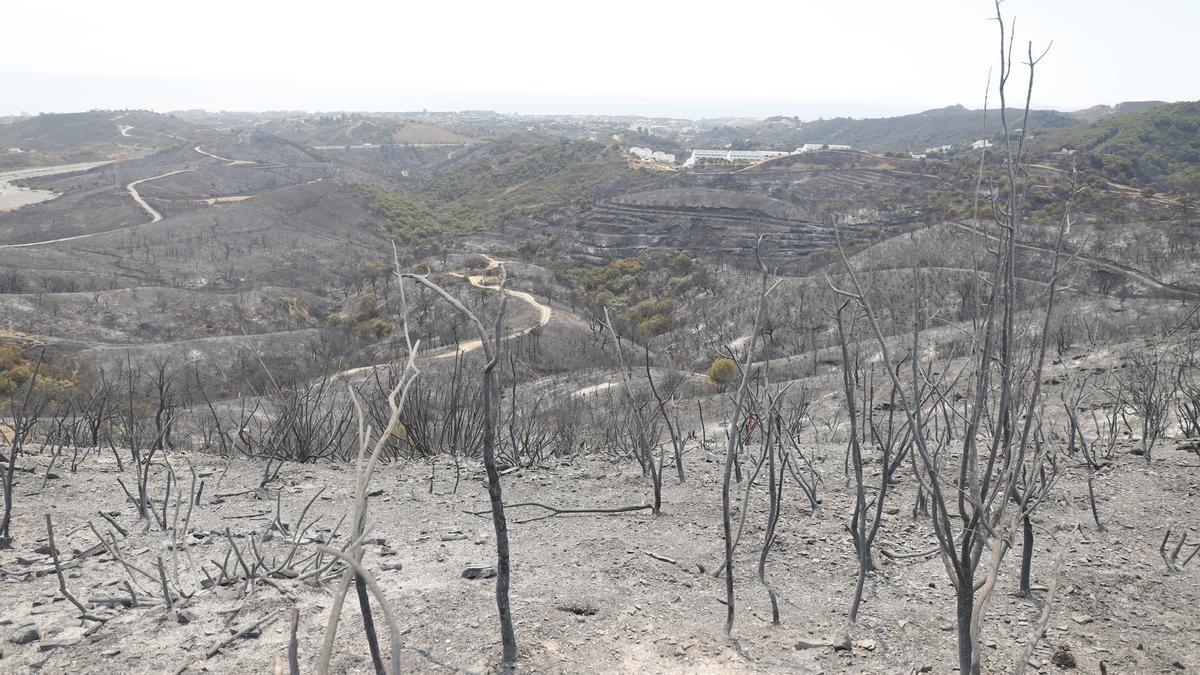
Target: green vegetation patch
[
  {"x": 1159, "y": 146},
  {"x": 641, "y": 293},
  {"x": 16, "y": 368},
  {"x": 507, "y": 179}
]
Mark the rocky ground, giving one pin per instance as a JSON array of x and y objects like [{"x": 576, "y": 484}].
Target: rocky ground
[{"x": 591, "y": 593}]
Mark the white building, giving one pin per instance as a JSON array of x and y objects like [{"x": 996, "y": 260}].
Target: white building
[
  {"x": 813, "y": 147},
  {"x": 736, "y": 156},
  {"x": 981, "y": 143},
  {"x": 648, "y": 155},
  {"x": 939, "y": 149}
]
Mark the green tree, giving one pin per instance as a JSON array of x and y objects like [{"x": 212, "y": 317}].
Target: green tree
[{"x": 722, "y": 371}]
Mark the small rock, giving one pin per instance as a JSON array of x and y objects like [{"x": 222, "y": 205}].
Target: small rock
[
  {"x": 453, "y": 536},
  {"x": 180, "y": 617},
  {"x": 1081, "y": 619},
  {"x": 1063, "y": 658},
  {"x": 392, "y": 567},
  {"x": 51, "y": 645},
  {"x": 24, "y": 635},
  {"x": 841, "y": 640},
  {"x": 811, "y": 644},
  {"x": 479, "y": 572},
  {"x": 868, "y": 644}
]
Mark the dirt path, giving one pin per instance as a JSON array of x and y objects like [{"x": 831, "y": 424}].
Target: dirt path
[
  {"x": 594, "y": 388},
  {"x": 131, "y": 188},
  {"x": 1127, "y": 190},
  {"x": 155, "y": 216},
  {"x": 545, "y": 313},
  {"x": 230, "y": 162}
]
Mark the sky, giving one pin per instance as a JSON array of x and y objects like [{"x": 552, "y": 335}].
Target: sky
[{"x": 699, "y": 58}]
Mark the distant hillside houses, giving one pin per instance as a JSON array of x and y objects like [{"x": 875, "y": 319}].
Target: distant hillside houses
[
  {"x": 648, "y": 155},
  {"x": 982, "y": 143}
]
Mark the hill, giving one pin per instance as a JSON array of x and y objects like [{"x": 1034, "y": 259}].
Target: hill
[
  {"x": 356, "y": 129},
  {"x": 91, "y": 136},
  {"x": 953, "y": 124},
  {"x": 1100, "y": 112},
  {"x": 1158, "y": 147},
  {"x": 905, "y": 133},
  {"x": 510, "y": 178}
]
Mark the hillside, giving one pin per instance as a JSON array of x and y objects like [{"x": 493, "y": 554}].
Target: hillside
[
  {"x": 906, "y": 133},
  {"x": 1100, "y": 112},
  {"x": 953, "y": 124},
  {"x": 221, "y": 296},
  {"x": 1159, "y": 146},
  {"x": 91, "y": 136},
  {"x": 356, "y": 129},
  {"x": 514, "y": 177}
]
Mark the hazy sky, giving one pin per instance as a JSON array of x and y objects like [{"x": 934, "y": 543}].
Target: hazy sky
[{"x": 664, "y": 57}]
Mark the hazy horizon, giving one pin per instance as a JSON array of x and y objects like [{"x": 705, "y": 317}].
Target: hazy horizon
[
  {"x": 518, "y": 104},
  {"x": 670, "y": 59}
]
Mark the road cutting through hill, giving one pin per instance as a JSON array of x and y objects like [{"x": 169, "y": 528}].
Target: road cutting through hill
[
  {"x": 230, "y": 162},
  {"x": 155, "y": 216},
  {"x": 545, "y": 312},
  {"x": 131, "y": 188}
]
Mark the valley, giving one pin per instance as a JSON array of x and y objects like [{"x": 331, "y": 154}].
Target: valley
[{"x": 229, "y": 332}]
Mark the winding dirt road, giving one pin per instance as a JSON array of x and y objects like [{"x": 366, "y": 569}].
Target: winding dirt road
[
  {"x": 230, "y": 162},
  {"x": 545, "y": 313},
  {"x": 155, "y": 216}
]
